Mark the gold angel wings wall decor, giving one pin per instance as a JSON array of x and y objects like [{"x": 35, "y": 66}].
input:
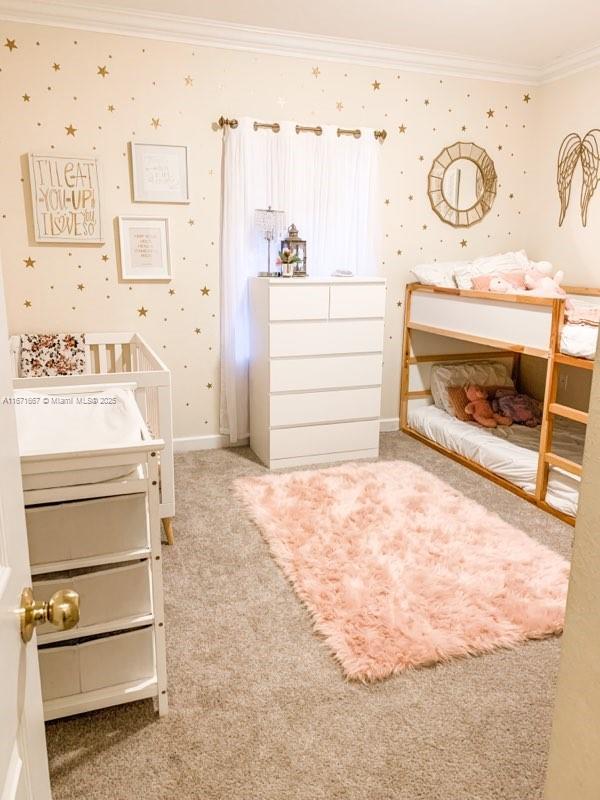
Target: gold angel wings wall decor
[{"x": 572, "y": 150}]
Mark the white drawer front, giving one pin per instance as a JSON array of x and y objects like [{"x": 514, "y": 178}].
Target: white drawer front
[
  {"x": 355, "y": 301},
  {"x": 298, "y": 301},
  {"x": 329, "y": 372},
  {"x": 325, "y": 338},
  {"x": 315, "y": 440},
  {"x": 69, "y": 531},
  {"x": 309, "y": 407},
  {"x": 105, "y": 595},
  {"x": 96, "y": 664}
]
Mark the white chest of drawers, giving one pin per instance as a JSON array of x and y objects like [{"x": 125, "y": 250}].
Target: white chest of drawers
[{"x": 315, "y": 369}]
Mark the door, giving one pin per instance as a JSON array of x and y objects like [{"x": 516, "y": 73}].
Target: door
[{"x": 23, "y": 758}]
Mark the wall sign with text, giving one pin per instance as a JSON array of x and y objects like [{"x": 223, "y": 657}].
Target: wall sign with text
[{"x": 65, "y": 194}]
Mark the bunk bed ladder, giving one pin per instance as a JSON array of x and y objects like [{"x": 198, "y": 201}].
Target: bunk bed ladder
[{"x": 552, "y": 409}]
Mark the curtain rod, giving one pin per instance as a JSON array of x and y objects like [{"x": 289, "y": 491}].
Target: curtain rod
[{"x": 318, "y": 130}]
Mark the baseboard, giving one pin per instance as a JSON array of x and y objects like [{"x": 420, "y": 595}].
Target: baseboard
[
  {"x": 214, "y": 441},
  {"x": 389, "y": 424}
]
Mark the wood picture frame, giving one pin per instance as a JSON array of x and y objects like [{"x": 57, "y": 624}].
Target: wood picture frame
[
  {"x": 145, "y": 248},
  {"x": 159, "y": 173}
]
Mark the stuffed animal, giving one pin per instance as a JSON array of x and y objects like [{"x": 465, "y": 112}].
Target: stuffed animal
[
  {"x": 502, "y": 281},
  {"x": 519, "y": 408},
  {"x": 480, "y": 408},
  {"x": 539, "y": 281}
]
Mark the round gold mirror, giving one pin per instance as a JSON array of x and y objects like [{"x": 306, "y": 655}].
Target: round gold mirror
[{"x": 462, "y": 184}]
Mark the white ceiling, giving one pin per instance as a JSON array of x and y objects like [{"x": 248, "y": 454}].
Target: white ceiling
[
  {"x": 526, "y": 32},
  {"x": 527, "y": 41}
]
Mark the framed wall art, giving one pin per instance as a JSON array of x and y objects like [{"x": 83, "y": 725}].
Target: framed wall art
[
  {"x": 145, "y": 248},
  {"x": 159, "y": 173},
  {"x": 65, "y": 196}
]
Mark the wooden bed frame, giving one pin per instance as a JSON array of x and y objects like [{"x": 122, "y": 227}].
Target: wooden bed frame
[
  {"x": 514, "y": 325},
  {"x": 116, "y": 359}
]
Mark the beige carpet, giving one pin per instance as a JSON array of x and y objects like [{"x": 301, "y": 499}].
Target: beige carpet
[{"x": 259, "y": 709}]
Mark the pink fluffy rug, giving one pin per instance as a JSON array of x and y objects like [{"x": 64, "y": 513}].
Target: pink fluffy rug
[{"x": 400, "y": 570}]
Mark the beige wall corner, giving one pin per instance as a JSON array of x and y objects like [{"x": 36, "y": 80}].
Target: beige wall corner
[{"x": 573, "y": 770}]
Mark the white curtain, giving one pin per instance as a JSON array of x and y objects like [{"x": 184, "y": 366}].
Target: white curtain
[{"x": 328, "y": 187}]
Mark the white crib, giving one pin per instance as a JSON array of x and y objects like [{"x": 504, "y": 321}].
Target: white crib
[{"x": 117, "y": 359}]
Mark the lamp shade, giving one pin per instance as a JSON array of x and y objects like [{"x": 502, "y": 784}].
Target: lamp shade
[{"x": 269, "y": 222}]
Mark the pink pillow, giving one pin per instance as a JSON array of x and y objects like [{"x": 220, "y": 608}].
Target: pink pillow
[{"x": 516, "y": 278}]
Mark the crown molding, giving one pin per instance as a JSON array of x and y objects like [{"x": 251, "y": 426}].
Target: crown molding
[
  {"x": 571, "y": 64},
  {"x": 212, "y": 33}
]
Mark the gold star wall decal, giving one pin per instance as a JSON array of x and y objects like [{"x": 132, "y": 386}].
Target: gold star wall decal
[
  {"x": 104, "y": 257},
  {"x": 316, "y": 72},
  {"x": 142, "y": 312},
  {"x": 26, "y": 97},
  {"x": 526, "y": 98},
  {"x": 209, "y": 385},
  {"x": 81, "y": 287},
  {"x": 490, "y": 112},
  {"x": 426, "y": 101},
  {"x": 197, "y": 330},
  {"x": 190, "y": 221},
  {"x": 56, "y": 67},
  {"x": 155, "y": 122},
  {"x": 110, "y": 107},
  {"x": 402, "y": 128},
  {"x": 386, "y": 201},
  {"x": 376, "y": 85},
  {"x": 11, "y": 44},
  {"x": 205, "y": 290},
  {"x": 29, "y": 261},
  {"x": 70, "y": 130},
  {"x": 102, "y": 71},
  {"x": 27, "y": 303},
  {"x": 339, "y": 105},
  {"x": 463, "y": 243},
  {"x": 189, "y": 81},
  {"x": 464, "y": 128},
  {"x": 171, "y": 291}
]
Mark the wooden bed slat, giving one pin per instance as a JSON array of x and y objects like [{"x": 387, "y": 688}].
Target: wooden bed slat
[
  {"x": 573, "y": 361},
  {"x": 570, "y": 413},
  {"x": 462, "y": 356},
  {"x": 468, "y": 337},
  {"x": 563, "y": 463}
]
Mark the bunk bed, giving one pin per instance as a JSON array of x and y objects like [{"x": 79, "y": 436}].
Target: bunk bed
[{"x": 542, "y": 465}]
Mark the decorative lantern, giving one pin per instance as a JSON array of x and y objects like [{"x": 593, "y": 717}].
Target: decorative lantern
[{"x": 296, "y": 247}]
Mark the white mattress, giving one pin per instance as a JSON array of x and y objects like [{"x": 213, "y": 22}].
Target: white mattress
[
  {"x": 67, "y": 420},
  {"x": 510, "y": 452},
  {"x": 579, "y": 340}
]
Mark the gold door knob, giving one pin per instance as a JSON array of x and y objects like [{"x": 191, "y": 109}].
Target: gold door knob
[{"x": 61, "y": 610}]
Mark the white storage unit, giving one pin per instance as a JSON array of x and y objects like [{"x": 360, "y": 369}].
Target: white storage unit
[
  {"x": 315, "y": 369},
  {"x": 103, "y": 541}
]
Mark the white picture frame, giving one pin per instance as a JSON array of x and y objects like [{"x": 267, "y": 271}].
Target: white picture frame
[
  {"x": 145, "y": 248},
  {"x": 65, "y": 199},
  {"x": 159, "y": 173}
]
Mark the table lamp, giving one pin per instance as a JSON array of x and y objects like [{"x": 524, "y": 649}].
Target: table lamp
[{"x": 271, "y": 224}]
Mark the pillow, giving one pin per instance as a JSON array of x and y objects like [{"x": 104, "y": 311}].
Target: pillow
[
  {"x": 503, "y": 262},
  {"x": 457, "y": 397},
  {"x": 441, "y": 274},
  {"x": 482, "y": 373},
  {"x": 50, "y": 354}
]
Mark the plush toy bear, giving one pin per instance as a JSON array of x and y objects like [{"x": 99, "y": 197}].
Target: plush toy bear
[
  {"x": 519, "y": 408},
  {"x": 480, "y": 408}
]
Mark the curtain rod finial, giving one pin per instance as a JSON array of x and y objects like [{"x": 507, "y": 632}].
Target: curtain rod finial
[{"x": 223, "y": 121}]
